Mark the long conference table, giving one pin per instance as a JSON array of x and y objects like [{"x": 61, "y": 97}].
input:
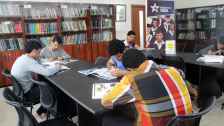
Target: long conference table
[{"x": 79, "y": 86}]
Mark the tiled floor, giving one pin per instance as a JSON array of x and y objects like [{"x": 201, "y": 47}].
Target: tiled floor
[{"x": 9, "y": 118}]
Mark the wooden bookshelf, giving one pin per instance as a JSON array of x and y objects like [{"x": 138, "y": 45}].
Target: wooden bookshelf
[
  {"x": 88, "y": 49},
  {"x": 208, "y": 24}
]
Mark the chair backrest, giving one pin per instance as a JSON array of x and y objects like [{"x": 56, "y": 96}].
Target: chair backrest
[
  {"x": 48, "y": 98},
  {"x": 17, "y": 88},
  {"x": 25, "y": 117},
  {"x": 174, "y": 61},
  {"x": 101, "y": 61},
  {"x": 194, "y": 118}
]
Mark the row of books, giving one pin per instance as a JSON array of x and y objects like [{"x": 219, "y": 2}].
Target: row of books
[
  {"x": 186, "y": 36},
  {"x": 41, "y": 12},
  {"x": 11, "y": 44},
  {"x": 186, "y": 26},
  {"x": 10, "y": 27},
  {"x": 102, "y": 23},
  {"x": 202, "y": 35},
  {"x": 189, "y": 15},
  {"x": 7, "y": 10},
  {"x": 75, "y": 39},
  {"x": 74, "y": 25},
  {"x": 102, "y": 36},
  {"x": 37, "y": 28},
  {"x": 74, "y": 12},
  {"x": 100, "y": 10}
]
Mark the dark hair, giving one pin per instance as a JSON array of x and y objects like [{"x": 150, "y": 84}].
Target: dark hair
[
  {"x": 159, "y": 31},
  {"x": 132, "y": 58},
  {"x": 131, "y": 33},
  {"x": 31, "y": 45},
  {"x": 58, "y": 39},
  {"x": 116, "y": 46},
  {"x": 221, "y": 39}
]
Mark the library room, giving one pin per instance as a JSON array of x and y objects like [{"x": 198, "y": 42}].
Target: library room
[{"x": 111, "y": 62}]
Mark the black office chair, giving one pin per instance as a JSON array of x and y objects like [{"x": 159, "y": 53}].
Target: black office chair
[
  {"x": 48, "y": 98},
  {"x": 174, "y": 61},
  {"x": 18, "y": 90},
  {"x": 101, "y": 61},
  {"x": 193, "y": 119},
  {"x": 26, "y": 118},
  {"x": 53, "y": 100}
]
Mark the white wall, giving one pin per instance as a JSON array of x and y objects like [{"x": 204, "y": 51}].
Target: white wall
[
  {"x": 121, "y": 27},
  {"x": 196, "y": 3}
]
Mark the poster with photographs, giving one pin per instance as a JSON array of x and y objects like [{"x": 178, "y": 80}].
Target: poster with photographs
[{"x": 160, "y": 23}]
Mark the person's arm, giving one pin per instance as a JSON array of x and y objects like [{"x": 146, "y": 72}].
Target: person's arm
[
  {"x": 116, "y": 92},
  {"x": 114, "y": 70},
  {"x": 40, "y": 69},
  {"x": 65, "y": 55}
]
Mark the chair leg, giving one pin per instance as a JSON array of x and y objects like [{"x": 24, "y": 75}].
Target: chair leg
[
  {"x": 222, "y": 107},
  {"x": 31, "y": 109}
]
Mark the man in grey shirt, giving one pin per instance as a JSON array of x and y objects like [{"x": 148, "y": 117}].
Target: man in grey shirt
[
  {"x": 54, "y": 51},
  {"x": 27, "y": 64}
]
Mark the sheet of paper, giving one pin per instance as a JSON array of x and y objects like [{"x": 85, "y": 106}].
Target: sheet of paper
[
  {"x": 211, "y": 59},
  {"x": 100, "y": 89}
]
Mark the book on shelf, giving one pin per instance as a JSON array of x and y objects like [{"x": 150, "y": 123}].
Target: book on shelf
[
  {"x": 10, "y": 10},
  {"x": 40, "y": 12},
  {"x": 10, "y": 27},
  {"x": 11, "y": 44},
  {"x": 103, "y": 36},
  {"x": 75, "y": 39},
  {"x": 41, "y": 28},
  {"x": 102, "y": 23},
  {"x": 68, "y": 11},
  {"x": 101, "y": 10},
  {"x": 74, "y": 25}
]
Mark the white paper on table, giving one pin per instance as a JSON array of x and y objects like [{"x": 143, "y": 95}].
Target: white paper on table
[
  {"x": 211, "y": 59},
  {"x": 100, "y": 89}
]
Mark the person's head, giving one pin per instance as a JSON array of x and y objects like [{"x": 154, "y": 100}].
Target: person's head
[
  {"x": 33, "y": 48},
  {"x": 116, "y": 48},
  {"x": 148, "y": 29},
  {"x": 172, "y": 26},
  {"x": 131, "y": 36},
  {"x": 57, "y": 42},
  {"x": 159, "y": 36},
  {"x": 220, "y": 43},
  {"x": 154, "y": 23},
  {"x": 133, "y": 58}
]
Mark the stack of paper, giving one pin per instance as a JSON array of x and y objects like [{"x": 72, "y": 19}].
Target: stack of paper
[
  {"x": 211, "y": 59},
  {"x": 103, "y": 73},
  {"x": 55, "y": 63}
]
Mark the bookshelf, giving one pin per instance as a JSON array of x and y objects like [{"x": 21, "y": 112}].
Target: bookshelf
[
  {"x": 198, "y": 27},
  {"x": 85, "y": 28}
]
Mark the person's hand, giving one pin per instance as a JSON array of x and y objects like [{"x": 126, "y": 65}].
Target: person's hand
[
  {"x": 107, "y": 104},
  {"x": 114, "y": 71},
  {"x": 60, "y": 58},
  {"x": 52, "y": 59}
]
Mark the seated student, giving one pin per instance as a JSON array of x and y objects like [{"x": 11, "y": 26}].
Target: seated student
[
  {"x": 131, "y": 42},
  {"x": 116, "y": 49},
  {"x": 159, "y": 43},
  {"x": 54, "y": 51},
  {"x": 216, "y": 49},
  {"x": 27, "y": 64},
  {"x": 135, "y": 63}
]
